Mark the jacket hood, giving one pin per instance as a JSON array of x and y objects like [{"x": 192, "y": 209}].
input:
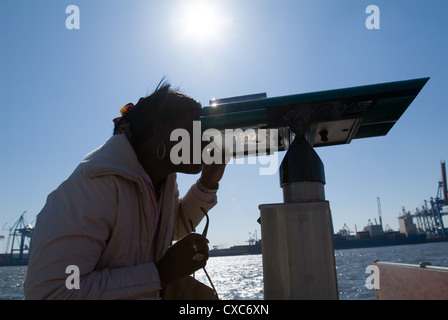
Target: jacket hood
[{"x": 115, "y": 156}]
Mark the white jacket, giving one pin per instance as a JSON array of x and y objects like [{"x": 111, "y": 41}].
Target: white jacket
[{"x": 98, "y": 220}]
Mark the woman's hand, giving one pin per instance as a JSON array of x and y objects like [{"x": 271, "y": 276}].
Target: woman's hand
[
  {"x": 212, "y": 174},
  {"x": 183, "y": 258}
]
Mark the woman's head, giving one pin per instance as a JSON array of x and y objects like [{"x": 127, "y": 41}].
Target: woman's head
[
  {"x": 150, "y": 122},
  {"x": 165, "y": 105}
]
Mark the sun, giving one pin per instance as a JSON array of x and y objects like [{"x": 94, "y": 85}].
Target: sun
[{"x": 200, "y": 21}]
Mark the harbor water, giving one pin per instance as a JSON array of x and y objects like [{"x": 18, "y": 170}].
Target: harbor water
[{"x": 241, "y": 277}]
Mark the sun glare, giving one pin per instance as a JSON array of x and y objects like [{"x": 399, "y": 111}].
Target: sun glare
[{"x": 200, "y": 21}]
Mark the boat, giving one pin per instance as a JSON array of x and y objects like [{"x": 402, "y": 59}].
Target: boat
[
  {"x": 253, "y": 247},
  {"x": 236, "y": 250},
  {"x": 398, "y": 281},
  {"x": 374, "y": 236},
  {"x": 379, "y": 238},
  {"x": 7, "y": 260}
]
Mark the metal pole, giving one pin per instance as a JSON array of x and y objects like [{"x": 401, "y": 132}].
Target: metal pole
[
  {"x": 297, "y": 235},
  {"x": 445, "y": 192}
]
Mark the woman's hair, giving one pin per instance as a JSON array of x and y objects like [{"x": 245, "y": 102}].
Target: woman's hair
[{"x": 164, "y": 104}]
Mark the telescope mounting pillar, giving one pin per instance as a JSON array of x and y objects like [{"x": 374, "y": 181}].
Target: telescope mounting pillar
[{"x": 297, "y": 235}]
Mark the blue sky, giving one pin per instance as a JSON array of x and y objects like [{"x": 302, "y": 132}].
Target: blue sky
[{"x": 61, "y": 88}]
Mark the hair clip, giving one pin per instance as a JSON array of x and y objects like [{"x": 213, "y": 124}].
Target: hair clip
[{"x": 123, "y": 111}]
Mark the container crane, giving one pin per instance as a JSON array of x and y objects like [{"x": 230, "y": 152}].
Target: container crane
[{"x": 19, "y": 242}]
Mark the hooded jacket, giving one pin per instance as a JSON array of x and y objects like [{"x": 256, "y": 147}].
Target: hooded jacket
[{"x": 98, "y": 220}]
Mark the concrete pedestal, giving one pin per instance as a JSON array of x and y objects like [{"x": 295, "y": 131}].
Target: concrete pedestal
[{"x": 298, "y": 254}]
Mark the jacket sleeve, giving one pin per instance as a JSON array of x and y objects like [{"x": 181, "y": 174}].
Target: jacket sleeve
[
  {"x": 188, "y": 209},
  {"x": 73, "y": 229}
]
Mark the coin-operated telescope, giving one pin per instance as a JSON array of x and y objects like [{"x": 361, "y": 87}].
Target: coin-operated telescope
[{"x": 297, "y": 235}]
